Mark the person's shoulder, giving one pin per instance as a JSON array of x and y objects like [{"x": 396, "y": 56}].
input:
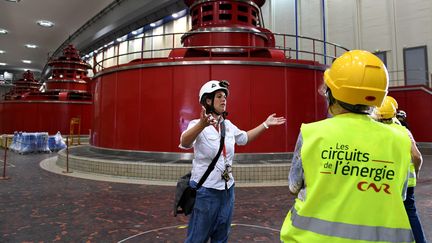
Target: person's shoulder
[
  {"x": 317, "y": 123},
  {"x": 228, "y": 122},
  {"x": 400, "y": 129}
]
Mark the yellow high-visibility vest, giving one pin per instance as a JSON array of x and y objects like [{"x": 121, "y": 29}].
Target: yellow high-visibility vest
[
  {"x": 355, "y": 169},
  {"x": 412, "y": 178}
]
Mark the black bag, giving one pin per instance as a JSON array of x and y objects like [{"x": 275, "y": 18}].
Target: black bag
[{"x": 185, "y": 195}]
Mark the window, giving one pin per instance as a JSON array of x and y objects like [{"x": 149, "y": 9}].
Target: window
[
  {"x": 242, "y": 8},
  {"x": 416, "y": 65},
  {"x": 242, "y": 18},
  {"x": 207, "y": 18},
  {"x": 206, "y": 8},
  {"x": 382, "y": 55},
  {"x": 225, "y": 6},
  {"x": 224, "y": 16}
]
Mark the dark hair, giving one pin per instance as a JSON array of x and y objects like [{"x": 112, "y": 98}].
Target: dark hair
[
  {"x": 358, "y": 109},
  {"x": 208, "y": 107}
]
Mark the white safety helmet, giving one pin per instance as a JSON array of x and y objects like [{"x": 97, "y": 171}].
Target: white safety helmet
[
  {"x": 401, "y": 115},
  {"x": 213, "y": 86}
]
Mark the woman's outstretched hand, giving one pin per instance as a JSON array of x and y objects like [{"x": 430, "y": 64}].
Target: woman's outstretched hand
[{"x": 274, "y": 121}]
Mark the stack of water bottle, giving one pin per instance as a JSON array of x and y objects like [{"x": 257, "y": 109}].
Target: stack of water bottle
[
  {"x": 56, "y": 143},
  {"x": 24, "y": 142}
]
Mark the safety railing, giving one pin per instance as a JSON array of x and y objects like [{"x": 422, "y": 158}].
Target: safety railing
[
  {"x": 409, "y": 77},
  {"x": 159, "y": 46}
]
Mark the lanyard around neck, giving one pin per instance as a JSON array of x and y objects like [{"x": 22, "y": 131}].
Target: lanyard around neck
[{"x": 224, "y": 148}]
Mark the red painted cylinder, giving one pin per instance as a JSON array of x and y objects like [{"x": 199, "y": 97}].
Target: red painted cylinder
[
  {"x": 222, "y": 23},
  {"x": 147, "y": 103},
  {"x": 67, "y": 95},
  {"x": 147, "y": 108},
  {"x": 43, "y": 116},
  {"x": 416, "y": 102}
]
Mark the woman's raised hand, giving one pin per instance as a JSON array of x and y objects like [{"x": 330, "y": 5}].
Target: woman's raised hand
[
  {"x": 206, "y": 119},
  {"x": 274, "y": 121}
]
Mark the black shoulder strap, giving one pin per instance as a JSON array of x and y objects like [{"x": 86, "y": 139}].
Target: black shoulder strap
[{"x": 213, "y": 163}]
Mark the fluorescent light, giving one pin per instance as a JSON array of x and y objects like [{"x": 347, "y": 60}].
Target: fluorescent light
[
  {"x": 134, "y": 32},
  {"x": 12, "y": 1},
  {"x": 152, "y": 25},
  {"x": 31, "y": 46},
  {"x": 119, "y": 39},
  {"x": 3, "y": 31},
  {"x": 1, "y": 51},
  {"x": 174, "y": 15},
  {"x": 26, "y": 61},
  {"x": 45, "y": 23},
  {"x": 2, "y": 64}
]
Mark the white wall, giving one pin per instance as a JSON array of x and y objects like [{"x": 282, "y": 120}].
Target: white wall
[{"x": 374, "y": 25}]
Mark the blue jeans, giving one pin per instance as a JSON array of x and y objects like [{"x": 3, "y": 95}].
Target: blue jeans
[
  {"x": 413, "y": 216},
  {"x": 211, "y": 216}
]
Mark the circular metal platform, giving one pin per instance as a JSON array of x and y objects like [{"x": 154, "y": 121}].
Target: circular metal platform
[{"x": 168, "y": 167}]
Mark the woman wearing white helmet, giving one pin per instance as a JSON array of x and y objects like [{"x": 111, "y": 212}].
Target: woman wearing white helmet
[{"x": 213, "y": 209}]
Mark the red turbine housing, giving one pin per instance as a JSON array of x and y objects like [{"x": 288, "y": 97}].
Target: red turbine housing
[
  {"x": 146, "y": 103},
  {"x": 66, "y": 95}
]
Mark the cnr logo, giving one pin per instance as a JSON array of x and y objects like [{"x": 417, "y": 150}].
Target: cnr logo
[{"x": 364, "y": 186}]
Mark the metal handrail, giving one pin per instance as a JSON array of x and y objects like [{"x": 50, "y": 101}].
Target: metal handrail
[
  {"x": 398, "y": 77},
  {"x": 309, "y": 46},
  {"x": 315, "y": 52}
]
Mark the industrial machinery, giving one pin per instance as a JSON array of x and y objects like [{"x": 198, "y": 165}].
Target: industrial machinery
[
  {"x": 146, "y": 103},
  {"x": 34, "y": 107}
]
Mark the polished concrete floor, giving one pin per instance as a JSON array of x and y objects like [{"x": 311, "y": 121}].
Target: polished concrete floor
[{"x": 40, "y": 206}]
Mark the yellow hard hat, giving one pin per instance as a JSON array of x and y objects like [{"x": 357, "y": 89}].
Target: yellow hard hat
[
  {"x": 388, "y": 98},
  {"x": 388, "y": 108},
  {"x": 358, "y": 78}
]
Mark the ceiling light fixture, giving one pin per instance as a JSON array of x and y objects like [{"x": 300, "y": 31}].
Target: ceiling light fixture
[
  {"x": 13, "y": 1},
  {"x": 134, "y": 32},
  {"x": 31, "y": 46},
  {"x": 3, "y": 31},
  {"x": 2, "y": 64},
  {"x": 26, "y": 61},
  {"x": 174, "y": 15},
  {"x": 45, "y": 23},
  {"x": 152, "y": 25},
  {"x": 1, "y": 51}
]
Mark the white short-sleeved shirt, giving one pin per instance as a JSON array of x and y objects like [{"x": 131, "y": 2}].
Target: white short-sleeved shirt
[{"x": 206, "y": 146}]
